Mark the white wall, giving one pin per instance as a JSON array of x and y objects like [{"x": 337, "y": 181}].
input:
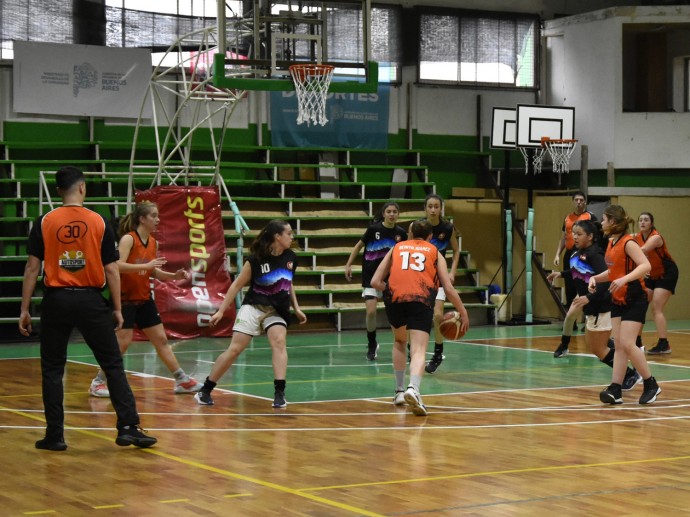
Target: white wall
[{"x": 592, "y": 82}]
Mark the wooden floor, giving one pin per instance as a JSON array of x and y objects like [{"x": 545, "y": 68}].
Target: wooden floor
[{"x": 511, "y": 431}]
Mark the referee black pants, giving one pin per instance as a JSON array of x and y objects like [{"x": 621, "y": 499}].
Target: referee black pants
[{"x": 61, "y": 311}]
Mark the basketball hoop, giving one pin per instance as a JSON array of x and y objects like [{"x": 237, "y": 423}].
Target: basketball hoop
[
  {"x": 560, "y": 151},
  {"x": 311, "y": 85},
  {"x": 536, "y": 158}
]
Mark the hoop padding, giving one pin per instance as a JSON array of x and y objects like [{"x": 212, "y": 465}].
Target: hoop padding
[
  {"x": 311, "y": 86},
  {"x": 560, "y": 151},
  {"x": 536, "y": 158}
]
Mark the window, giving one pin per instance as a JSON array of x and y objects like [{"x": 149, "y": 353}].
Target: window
[
  {"x": 27, "y": 20},
  {"x": 346, "y": 39},
  {"x": 483, "y": 49},
  {"x": 157, "y": 24}
]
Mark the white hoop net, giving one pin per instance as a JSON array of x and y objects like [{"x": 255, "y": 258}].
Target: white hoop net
[
  {"x": 311, "y": 85},
  {"x": 536, "y": 158},
  {"x": 560, "y": 151}
]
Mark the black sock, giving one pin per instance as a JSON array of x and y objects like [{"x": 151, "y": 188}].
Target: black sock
[
  {"x": 371, "y": 337},
  {"x": 279, "y": 384},
  {"x": 208, "y": 385},
  {"x": 638, "y": 341},
  {"x": 662, "y": 341},
  {"x": 608, "y": 360},
  {"x": 438, "y": 349},
  {"x": 565, "y": 340}
]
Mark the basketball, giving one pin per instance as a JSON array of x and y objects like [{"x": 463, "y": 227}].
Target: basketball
[{"x": 451, "y": 326}]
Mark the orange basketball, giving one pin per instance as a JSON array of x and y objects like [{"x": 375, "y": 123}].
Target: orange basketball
[{"x": 451, "y": 326}]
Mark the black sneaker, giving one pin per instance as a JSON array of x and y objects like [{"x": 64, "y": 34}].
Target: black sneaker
[
  {"x": 612, "y": 395},
  {"x": 279, "y": 399},
  {"x": 52, "y": 444},
  {"x": 651, "y": 390},
  {"x": 433, "y": 365},
  {"x": 203, "y": 398},
  {"x": 134, "y": 435},
  {"x": 561, "y": 351},
  {"x": 632, "y": 379},
  {"x": 371, "y": 352},
  {"x": 660, "y": 348}
]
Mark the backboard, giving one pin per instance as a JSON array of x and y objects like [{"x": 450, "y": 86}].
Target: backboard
[
  {"x": 272, "y": 35},
  {"x": 535, "y": 122},
  {"x": 503, "y": 128}
]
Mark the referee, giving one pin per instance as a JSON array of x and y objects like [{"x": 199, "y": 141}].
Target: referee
[{"x": 77, "y": 248}]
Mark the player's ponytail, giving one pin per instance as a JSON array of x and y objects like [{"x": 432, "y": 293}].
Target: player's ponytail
[
  {"x": 619, "y": 219},
  {"x": 261, "y": 247},
  {"x": 131, "y": 221}
]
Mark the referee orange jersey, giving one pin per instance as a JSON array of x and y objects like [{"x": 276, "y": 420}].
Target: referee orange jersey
[
  {"x": 619, "y": 265},
  {"x": 72, "y": 239},
  {"x": 135, "y": 285},
  {"x": 413, "y": 275},
  {"x": 570, "y": 221}
]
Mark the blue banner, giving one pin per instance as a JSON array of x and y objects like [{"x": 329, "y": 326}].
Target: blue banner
[{"x": 355, "y": 120}]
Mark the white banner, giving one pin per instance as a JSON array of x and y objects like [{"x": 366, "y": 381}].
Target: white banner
[{"x": 83, "y": 80}]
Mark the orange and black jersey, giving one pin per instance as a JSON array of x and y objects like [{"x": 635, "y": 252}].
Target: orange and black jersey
[
  {"x": 413, "y": 275},
  {"x": 620, "y": 264},
  {"x": 75, "y": 244},
  {"x": 136, "y": 285},
  {"x": 570, "y": 221},
  {"x": 659, "y": 258}
]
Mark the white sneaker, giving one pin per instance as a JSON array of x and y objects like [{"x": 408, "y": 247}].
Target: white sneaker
[
  {"x": 190, "y": 385},
  {"x": 414, "y": 400},
  {"x": 99, "y": 389},
  {"x": 399, "y": 398}
]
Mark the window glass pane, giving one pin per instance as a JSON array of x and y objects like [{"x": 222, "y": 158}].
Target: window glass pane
[
  {"x": 466, "y": 49},
  {"x": 26, "y": 20}
]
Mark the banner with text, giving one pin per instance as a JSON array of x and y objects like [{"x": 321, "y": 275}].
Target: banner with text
[
  {"x": 190, "y": 236},
  {"x": 82, "y": 80},
  {"x": 355, "y": 120}
]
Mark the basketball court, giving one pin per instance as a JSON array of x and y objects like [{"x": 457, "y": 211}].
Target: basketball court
[{"x": 510, "y": 430}]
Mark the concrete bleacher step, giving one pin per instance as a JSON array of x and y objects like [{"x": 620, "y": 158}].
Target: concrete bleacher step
[{"x": 326, "y": 230}]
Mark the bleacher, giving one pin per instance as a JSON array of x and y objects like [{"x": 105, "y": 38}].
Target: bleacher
[{"x": 328, "y": 203}]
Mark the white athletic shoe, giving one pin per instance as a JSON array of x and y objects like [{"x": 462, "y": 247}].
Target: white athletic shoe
[
  {"x": 190, "y": 385},
  {"x": 414, "y": 400},
  {"x": 399, "y": 398},
  {"x": 99, "y": 389}
]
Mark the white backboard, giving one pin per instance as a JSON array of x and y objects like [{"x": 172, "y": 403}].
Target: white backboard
[
  {"x": 535, "y": 122},
  {"x": 503, "y": 128}
]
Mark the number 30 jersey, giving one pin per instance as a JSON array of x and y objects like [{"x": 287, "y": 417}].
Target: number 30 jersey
[
  {"x": 413, "y": 275},
  {"x": 74, "y": 244}
]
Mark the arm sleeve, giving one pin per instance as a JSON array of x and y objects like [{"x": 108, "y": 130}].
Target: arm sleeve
[
  {"x": 35, "y": 243},
  {"x": 109, "y": 251},
  {"x": 602, "y": 289}
]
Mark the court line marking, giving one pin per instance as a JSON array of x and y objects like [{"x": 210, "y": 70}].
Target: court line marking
[
  {"x": 215, "y": 470},
  {"x": 508, "y": 472},
  {"x": 423, "y": 426}
]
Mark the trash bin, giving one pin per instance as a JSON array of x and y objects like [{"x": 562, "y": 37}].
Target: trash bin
[{"x": 502, "y": 303}]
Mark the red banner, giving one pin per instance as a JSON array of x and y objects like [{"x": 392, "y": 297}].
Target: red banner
[{"x": 190, "y": 236}]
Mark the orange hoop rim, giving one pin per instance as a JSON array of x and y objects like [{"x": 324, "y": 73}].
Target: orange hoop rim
[
  {"x": 310, "y": 69},
  {"x": 545, "y": 140}
]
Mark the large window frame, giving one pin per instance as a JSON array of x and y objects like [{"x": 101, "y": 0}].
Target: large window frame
[
  {"x": 478, "y": 48},
  {"x": 156, "y": 24}
]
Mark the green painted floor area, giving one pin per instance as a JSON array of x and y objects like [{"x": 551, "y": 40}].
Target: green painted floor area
[{"x": 333, "y": 366}]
